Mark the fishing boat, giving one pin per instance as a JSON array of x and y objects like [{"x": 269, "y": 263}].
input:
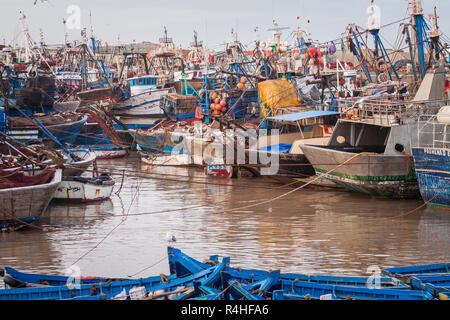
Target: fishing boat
[
  {"x": 84, "y": 189},
  {"x": 106, "y": 151},
  {"x": 66, "y": 106},
  {"x": 170, "y": 159},
  {"x": 23, "y": 199},
  {"x": 436, "y": 268},
  {"x": 65, "y": 127},
  {"x": 182, "y": 264},
  {"x": 370, "y": 151},
  {"x": 216, "y": 280},
  {"x": 78, "y": 160},
  {"x": 144, "y": 100},
  {"x": 96, "y": 95},
  {"x": 293, "y": 130},
  {"x": 16, "y": 279},
  {"x": 300, "y": 290},
  {"x": 249, "y": 284},
  {"x": 107, "y": 290},
  {"x": 432, "y": 159}
]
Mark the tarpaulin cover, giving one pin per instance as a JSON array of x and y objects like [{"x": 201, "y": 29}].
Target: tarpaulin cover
[
  {"x": 278, "y": 93},
  {"x": 18, "y": 179},
  {"x": 281, "y": 148}
]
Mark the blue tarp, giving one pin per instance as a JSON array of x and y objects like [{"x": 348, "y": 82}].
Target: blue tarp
[
  {"x": 281, "y": 148},
  {"x": 303, "y": 115}
]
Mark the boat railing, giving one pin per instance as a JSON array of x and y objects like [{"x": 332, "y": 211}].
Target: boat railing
[
  {"x": 388, "y": 112},
  {"x": 431, "y": 132}
]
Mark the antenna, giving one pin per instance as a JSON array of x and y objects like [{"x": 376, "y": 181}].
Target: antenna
[
  {"x": 90, "y": 22},
  {"x": 374, "y": 17},
  {"x": 277, "y": 33}
]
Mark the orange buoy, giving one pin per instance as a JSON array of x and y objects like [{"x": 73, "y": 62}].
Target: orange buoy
[
  {"x": 223, "y": 103},
  {"x": 212, "y": 106},
  {"x": 217, "y": 101},
  {"x": 243, "y": 79},
  {"x": 216, "y": 113},
  {"x": 240, "y": 85},
  {"x": 224, "y": 109}
]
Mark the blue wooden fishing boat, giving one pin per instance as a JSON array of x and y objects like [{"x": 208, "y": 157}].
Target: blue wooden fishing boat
[
  {"x": 16, "y": 279},
  {"x": 182, "y": 265},
  {"x": 214, "y": 280},
  {"x": 421, "y": 269},
  {"x": 104, "y": 290},
  {"x": 257, "y": 285},
  {"x": 437, "y": 285},
  {"x": 437, "y": 280},
  {"x": 303, "y": 289}
]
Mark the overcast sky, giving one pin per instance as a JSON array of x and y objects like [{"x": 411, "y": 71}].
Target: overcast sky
[{"x": 143, "y": 20}]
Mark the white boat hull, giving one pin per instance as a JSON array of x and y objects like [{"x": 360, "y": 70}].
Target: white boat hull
[
  {"x": 142, "y": 105},
  {"x": 83, "y": 192},
  {"x": 26, "y": 203}
]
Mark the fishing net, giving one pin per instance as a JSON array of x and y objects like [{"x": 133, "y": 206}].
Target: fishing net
[{"x": 19, "y": 179}]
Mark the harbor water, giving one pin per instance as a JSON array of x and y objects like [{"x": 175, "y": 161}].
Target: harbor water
[{"x": 310, "y": 231}]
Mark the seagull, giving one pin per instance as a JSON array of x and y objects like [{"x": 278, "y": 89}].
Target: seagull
[{"x": 170, "y": 237}]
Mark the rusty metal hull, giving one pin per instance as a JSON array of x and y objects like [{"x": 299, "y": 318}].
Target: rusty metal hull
[{"x": 380, "y": 175}]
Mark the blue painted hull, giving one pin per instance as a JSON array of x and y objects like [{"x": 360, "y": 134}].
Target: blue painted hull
[
  {"x": 211, "y": 280},
  {"x": 66, "y": 133},
  {"x": 315, "y": 291},
  {"x": 433, "y": 174},
  {"x": 17, "y": 279},
  {"x": 181, "y": 265},
  {"x": 422, "y": 269},
  {"x": 101, "y": 290}
]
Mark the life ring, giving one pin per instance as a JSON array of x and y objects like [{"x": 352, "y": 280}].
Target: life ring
[
  {"x": 382, "y": 77},
  {"x": 381, "y": 65}
]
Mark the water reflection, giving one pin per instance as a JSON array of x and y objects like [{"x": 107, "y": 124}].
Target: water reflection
[{"x": 316, "y": 232}]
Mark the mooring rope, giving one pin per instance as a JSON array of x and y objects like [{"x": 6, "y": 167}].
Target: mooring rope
[{"x": 418, "y": 208}]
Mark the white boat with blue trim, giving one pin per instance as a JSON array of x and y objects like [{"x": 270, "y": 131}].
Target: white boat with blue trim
[{"x": 143, "y": 98}]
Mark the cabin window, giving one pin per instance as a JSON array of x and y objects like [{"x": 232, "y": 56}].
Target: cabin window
[
  {"x": 359, "y": 137},
  {"x": 140, "y": 81}
]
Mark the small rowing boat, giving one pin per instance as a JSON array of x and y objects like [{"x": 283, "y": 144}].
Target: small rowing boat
[{"x": 83, "y": 189}]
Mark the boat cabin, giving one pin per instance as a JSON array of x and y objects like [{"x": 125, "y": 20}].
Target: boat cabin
[
  {"x": 143, "y": 84},
  {"x": 306, "y": 125},
  {"x": 357, "y": 136}
]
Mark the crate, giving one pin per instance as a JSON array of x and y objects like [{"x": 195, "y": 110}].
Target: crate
[{"x": 179, "y": 104}]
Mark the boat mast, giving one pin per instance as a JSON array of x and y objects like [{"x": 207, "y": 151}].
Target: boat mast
[
  {"x": 419, "y": 27},
  {"x": 28, "y": 42},
  {"x": 374, "y": 25}
]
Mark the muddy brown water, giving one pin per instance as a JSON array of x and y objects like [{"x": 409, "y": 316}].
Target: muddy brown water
[{"x": 314, "y": 232}]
